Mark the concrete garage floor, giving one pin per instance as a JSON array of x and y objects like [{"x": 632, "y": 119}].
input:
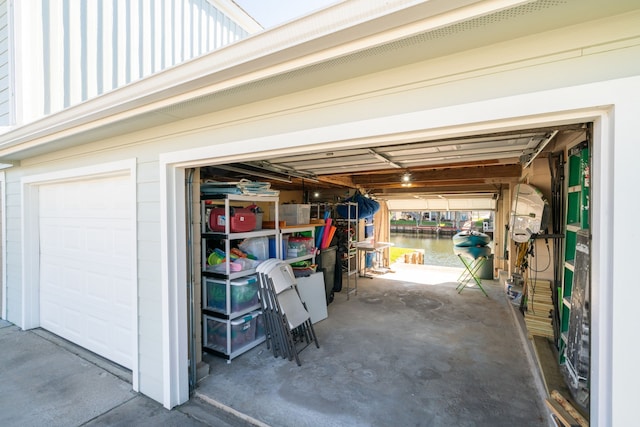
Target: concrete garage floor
[{"x": 408, "y": 350}]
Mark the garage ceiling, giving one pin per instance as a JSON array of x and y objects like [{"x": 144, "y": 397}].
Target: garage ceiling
[{"x": 438, "y": 172}]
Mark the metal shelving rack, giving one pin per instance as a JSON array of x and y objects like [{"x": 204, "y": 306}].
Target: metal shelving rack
[
  {"x": 227, "y": 317},
  {"x": 348, "y": 267}
]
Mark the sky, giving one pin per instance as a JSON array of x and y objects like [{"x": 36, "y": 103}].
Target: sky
[{"x": 270, "y": 13}]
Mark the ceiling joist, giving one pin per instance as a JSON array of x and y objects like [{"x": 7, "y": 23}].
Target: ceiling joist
[{"x": 425, "y": 177}]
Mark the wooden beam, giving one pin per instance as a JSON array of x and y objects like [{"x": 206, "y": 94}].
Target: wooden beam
[
  {"x": 468, "y": 164},
  {"x": 341, "y": 181},
  {"x": 561, "y": 414},
  {"x": 416, "y": 186},
  {"x": 437, "y": 189},
  {"x": 555, "y": 394},
  {"x": 450, "y": 175}
]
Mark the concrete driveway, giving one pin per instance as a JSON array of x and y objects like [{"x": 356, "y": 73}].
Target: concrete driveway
[{"x": 44, "y": 380}]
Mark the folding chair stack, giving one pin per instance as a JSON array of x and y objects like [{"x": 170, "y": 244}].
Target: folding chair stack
[{"x": 287, "y": 323}]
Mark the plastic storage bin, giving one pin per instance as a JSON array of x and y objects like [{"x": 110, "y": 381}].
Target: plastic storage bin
[
  {"x": 272, "y": 247},
  {"x": 242, "y": 220},
  {"x": 299, "y": 246},
  {"x": 256, "y": 246},
  {"x": 259, "y": 324},
  {"x": 242, "y": 331},
  {"x": 294, "y": 214},
  {"x": 244, "y": 294}
]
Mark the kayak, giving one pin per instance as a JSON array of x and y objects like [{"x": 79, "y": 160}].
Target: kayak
[
  {"x": 472, "y": 252},
  {"x": 469, "y": 238}
]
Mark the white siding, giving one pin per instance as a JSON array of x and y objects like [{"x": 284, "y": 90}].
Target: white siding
[
  {"x": 85, "y": 48},
  {"x": 5, "y": 81}
]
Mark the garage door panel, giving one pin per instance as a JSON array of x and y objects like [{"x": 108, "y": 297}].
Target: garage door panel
[
  {"x": 51, "y": 313},
  {"x": 98, "y": 332},
  {"x": 97, "y": 289},
  {"x": 72, "y": 322},
  {"x": 87, "y": 283}
]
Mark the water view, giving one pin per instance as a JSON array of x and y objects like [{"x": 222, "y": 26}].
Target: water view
[{"x": 437, "y": 250}]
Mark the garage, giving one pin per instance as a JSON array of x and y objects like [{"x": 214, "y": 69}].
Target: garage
[
  {"x": 485, "y": 167},
  {"x": 87, "y": 281},
  {"x": 438, "y": 91}
]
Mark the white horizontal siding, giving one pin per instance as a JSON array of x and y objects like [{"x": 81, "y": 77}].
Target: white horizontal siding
[
  {"x": 90, "y": 47},
  {"x": 5, "y": 82},
  {"x": 13, "y": 244}
]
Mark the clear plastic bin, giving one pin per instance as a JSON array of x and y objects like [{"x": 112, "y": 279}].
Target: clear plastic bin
[
  {"x": 293, "y": 214},
  {"x": 243, "y": 332}
]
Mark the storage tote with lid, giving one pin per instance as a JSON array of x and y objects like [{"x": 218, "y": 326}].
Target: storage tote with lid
[
  {"x": 244, "y": 294},
  {"x": 242, "y": 332}
]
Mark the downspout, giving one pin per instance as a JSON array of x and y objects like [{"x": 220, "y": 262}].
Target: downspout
[{"x": 191, "y": 284}]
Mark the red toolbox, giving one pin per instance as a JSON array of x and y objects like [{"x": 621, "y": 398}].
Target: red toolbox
[{"x": 242, "y": 220}]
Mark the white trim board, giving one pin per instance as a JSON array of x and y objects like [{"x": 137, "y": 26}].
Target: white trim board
[
  {"x": 3, "y": 245},
  {"x": 30, "y": 254},
  {"x": 588, "y": 103}
]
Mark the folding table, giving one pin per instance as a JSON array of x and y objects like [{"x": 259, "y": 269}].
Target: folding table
[{"x": 377, "y": 249}]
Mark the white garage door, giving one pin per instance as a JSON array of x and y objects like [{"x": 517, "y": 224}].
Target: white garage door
[{"x": 87, "y": 288}]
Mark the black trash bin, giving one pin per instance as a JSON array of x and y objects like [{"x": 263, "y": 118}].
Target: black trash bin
[{"x": 326, "y": 261}]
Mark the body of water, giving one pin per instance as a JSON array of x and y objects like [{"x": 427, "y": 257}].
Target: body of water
[{"x": 437, "y": 250}]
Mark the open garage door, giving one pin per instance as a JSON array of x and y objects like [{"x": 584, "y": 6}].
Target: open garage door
[
  {"x": 444, "y": 203},
  {"x": 87, "y": 288}
]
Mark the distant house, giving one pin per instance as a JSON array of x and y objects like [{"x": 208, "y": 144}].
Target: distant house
[{"x": 107, "y": 125}]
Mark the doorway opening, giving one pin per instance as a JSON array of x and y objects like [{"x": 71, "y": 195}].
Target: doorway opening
[{"x": 305, "y": 188}]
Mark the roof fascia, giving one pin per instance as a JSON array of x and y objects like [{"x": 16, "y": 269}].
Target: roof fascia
[
  {"x": 345, "y": 28},
  {"x": 238, "y": 15}
]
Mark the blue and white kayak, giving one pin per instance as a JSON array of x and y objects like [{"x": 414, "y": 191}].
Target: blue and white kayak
[
  {"x": 469, "y": 238},
  {"x": 472, "y": 252}
]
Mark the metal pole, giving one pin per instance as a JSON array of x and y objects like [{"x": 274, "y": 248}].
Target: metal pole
[{"x": 191, "y": 284}]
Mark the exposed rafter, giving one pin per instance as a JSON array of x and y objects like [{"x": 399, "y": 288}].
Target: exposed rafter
[{"x": 426, "y": 177}]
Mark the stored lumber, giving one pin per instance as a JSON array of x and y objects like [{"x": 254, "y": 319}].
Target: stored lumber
[
  {"x": 569, "y": 408},
  {"x": 561, "y": 415}
]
